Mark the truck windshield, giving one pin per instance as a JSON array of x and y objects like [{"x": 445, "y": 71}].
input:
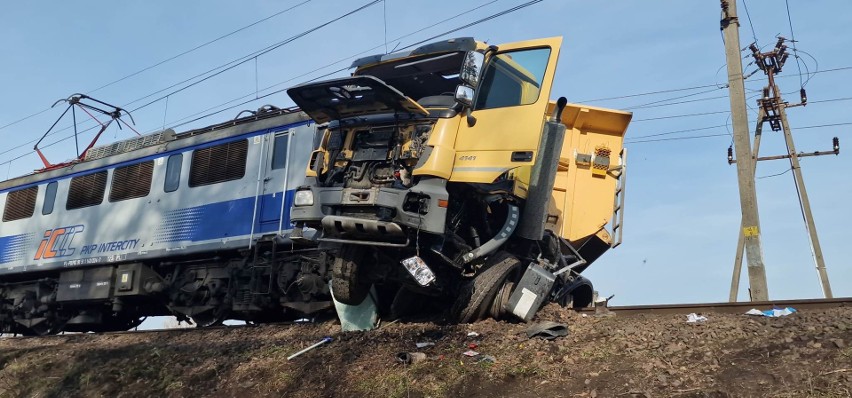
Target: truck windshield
[{"x": 423, "y": 76}]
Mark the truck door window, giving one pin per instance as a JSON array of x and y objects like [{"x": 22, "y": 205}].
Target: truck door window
[{"x": 513, "y": 78}]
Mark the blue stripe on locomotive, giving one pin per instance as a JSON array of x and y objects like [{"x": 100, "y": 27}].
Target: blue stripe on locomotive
[
  {"x": 223, "y": 219},
  {"x": 13, "y": 247}
]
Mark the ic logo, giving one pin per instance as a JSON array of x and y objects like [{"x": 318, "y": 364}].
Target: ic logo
[{"x": 57, "y": 242}]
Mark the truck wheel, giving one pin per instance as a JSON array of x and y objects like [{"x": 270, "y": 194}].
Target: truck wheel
[
  {"x": 476, "y": 296},
  {"x": 348, "y": 275}
]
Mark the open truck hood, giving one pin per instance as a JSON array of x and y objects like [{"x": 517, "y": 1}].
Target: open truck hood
[{"x": 351, "y": 96}]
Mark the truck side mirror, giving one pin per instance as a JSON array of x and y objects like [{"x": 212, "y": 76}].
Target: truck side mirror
[
  {"x": 471, "y": 68},
  {"x": 464, "y": 95}
]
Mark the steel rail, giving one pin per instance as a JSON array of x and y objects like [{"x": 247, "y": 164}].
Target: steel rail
[
  {"x": 726, "y": 307},
  {"x": 653, "y": 309}
]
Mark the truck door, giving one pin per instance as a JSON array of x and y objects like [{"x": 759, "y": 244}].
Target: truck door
[
  {"x": 273, "y": 196},
  {"x": 509, "y": 107}
]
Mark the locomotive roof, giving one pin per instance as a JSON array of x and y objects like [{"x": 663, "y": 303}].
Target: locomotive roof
[{"x": 259, "y": 121}]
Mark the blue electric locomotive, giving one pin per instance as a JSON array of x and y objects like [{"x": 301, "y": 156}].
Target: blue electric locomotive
[{"x": 191, "y": 224}]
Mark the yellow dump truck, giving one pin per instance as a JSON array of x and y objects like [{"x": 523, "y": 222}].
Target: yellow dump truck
[{"x": 448, "y": 172}]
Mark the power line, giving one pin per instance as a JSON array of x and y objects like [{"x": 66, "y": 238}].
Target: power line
[
  {"x": 753, "y": 34},
  {"x": 323, "y": 67},
  {"x": 477, "y": 22},
  {"x": 505, "y": 12},
  {"x": 172, "y": 58},
  {"x": 673, "y": 90},
  {"x": 678, "y": 131},
  {"x": 227, "y": 66},
  {"x": 246, "y": 58},
  {"x": 200, "y": 46},
  {"x": 672, "y": 99},
  {"x": 793, "y": 40},
  {"x": 678, "y": 116},
  {"x": 692, "y": 137},
  {"x": 775, "y": 175}
]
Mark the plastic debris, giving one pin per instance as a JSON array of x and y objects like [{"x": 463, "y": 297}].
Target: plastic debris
[
  {"x": 321, "y": 342},
  {"x": 408, "y": 358},
  {"x": 364, "y": 316},
  {"x": 547, "y": 330},
  {"x": 695, "y": 318},
  {"x": 773, "y": 313},
  {"x": 472, "y": 346},
  {"x": 470, "y": 353},
  {"x": 487, "y": 359},
  {"x": 472, "y": 334},
  {"x": 425, "y": 344}
]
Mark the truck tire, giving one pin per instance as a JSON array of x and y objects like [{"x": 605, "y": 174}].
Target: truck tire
[
  {"x": 348, "y": 275},
  {"x": 475, "y": 296}
]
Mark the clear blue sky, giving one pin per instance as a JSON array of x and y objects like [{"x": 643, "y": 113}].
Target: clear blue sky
[{"x": 682, "y": 201}]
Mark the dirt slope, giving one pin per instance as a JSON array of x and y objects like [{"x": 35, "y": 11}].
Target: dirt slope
[{"x": 806, "y": 354}]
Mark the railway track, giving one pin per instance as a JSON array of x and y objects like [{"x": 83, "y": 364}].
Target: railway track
[
  {"x": 657, "y": 309},
  {"x": 726, "y": 307}
]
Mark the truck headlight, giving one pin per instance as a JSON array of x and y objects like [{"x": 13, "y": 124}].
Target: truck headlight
[{"x": 304, "y": 198}]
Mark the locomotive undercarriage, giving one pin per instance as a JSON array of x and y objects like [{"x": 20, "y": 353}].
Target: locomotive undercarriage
[{"x": 266, "y": 283}]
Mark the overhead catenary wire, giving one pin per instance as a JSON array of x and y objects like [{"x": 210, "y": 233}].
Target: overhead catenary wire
[
  {"x": 183, "y": 122},
  {"x": 246, "y": 58},
  {"x": 222, "y": 68},
  {"x": 482, "y": 20},
  {"x": 169, "y": 59}
]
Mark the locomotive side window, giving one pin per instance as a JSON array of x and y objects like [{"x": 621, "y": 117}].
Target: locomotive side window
[
  {"x": 133, "y": 181},
  {"x": 279, "y": 151},
  {"x": 87, "y": 190},
  {"x": 49, "y": 198},
  {"x": 217, "y": 164},
  {"x": 173, "y": 166},
  {"x": 20, "y": 204}
]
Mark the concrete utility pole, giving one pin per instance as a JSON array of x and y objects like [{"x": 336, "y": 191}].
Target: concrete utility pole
[
  {"x": 745, "y": 164},
  {"x": 773, "y": 110}
]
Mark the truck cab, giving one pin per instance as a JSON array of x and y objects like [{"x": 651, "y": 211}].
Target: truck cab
[{"x": 429, "y": 168}]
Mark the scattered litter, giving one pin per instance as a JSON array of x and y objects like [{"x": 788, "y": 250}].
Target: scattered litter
[
  {"x": 321, "y": 342},
  {"x": 695, "y": 318},
  {"x": 364, "y": 316},
  {"x": 472, "y": 334},
  {"x": 547, "y": 330},
  {"x": 773, "y": 313},
  {"x": 408, "y": 358},
  {"x": 304, "y": 320},
  {"x": 487, "y": 359},
  {"x": 472, "y": 346},
  {"x": 425, "y": 344},
  {"x": 470, "y": 353}
]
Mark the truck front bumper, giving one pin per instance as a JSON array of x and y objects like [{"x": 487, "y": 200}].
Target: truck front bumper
[{"x": 388, "y": 213}]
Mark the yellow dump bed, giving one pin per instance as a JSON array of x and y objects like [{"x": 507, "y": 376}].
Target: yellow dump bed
[{"x": 589, "y": 188}]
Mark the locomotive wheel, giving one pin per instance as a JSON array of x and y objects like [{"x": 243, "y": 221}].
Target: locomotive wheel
[
  {"x": 213, "y": 317},
  {"x": 42, "y": 329},
  {"x": 349, "y": 280},
  {"x": 486, "y": 293}
]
